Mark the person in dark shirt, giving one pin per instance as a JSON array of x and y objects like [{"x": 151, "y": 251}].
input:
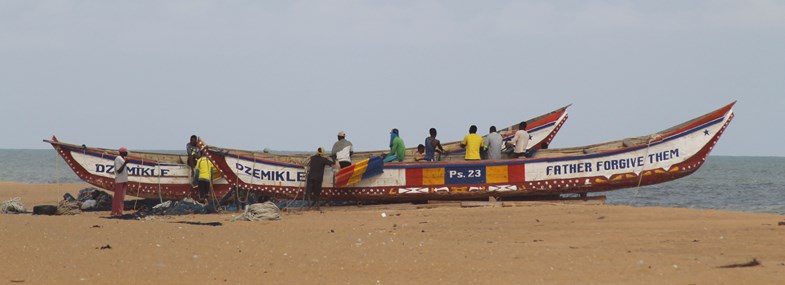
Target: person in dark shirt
[
  {"x": 194, "y": 153},
  {"x": 433, "y": 146},
  {"x": 313, "y": 187}
]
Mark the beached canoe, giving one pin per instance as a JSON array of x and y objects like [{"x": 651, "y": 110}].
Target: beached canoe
[
  {"x": 150, "y": 174},
  {"x": 283, "y": 176},
  {"x": 662, "y": 156},
  {"x": 167, "y": 176}
]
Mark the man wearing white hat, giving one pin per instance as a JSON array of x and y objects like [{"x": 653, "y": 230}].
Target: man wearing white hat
[
  {"x": 120, "y": 181},
  {"x": 343, "y": 150}
]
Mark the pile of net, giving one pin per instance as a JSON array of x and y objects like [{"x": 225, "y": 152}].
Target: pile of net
[
  {"x": 186, "y": 206},
  {"x": 92, "y": 199},
  {"x": 12, "y": 206},
  {"x": 260, "y": 212},
  {"x": 89, "y": 199},
  {"x": 68, "y": 207}
]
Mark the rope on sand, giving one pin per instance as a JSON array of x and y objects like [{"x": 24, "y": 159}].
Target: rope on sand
[
  {"x": 260, "y": 212},
  {"x": 13, "y": 205}
]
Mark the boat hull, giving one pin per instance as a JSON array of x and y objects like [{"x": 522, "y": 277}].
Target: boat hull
[
  {"x": 287, "y": 180},
  {"x": 147, "y": 178},
  {"x": 666, "y": 156}
]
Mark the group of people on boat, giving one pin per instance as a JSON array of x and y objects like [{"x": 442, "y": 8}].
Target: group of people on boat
[{"x": 477, "y": 147}]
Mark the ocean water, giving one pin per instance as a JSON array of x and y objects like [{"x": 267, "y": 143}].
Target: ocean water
[
  {"x": 34, "y": 166},
  {"x": 746, "y": 184},
  {"x": 39, "y": 166}
]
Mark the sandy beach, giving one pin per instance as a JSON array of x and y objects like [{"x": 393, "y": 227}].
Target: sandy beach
[{"x": 528, "y": 243}]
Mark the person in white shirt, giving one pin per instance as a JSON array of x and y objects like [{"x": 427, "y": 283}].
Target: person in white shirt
[
  {"x": 343, "y": 150},
  {"x": 120, "y": 182},
  {"x": 493, "y": 142},
  {"x": 520, "y": 141}
]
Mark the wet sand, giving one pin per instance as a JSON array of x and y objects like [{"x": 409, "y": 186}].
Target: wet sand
[{"x": 530, "y": 243}]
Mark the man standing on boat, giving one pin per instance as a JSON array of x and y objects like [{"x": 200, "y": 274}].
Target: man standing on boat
[
  {"x": 397, "y": 147},
  {"x": 520, "y": 141},
  {"x": 313, "y": 187},
  {"x": 120, "y": 182},
  {"x": 433, "y": 146},
  {"x": 343, "y": 150},
  {"x": 192, "y": 150},
  {"x": 493, "y": 142},
  {"x": 472, "y": 142}
]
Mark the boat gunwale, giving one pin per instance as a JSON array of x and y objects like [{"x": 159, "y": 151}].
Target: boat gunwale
[{"x": 133, "y": 156}]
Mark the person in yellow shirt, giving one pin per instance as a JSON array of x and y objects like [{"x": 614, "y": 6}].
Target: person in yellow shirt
[
  {"x": 472, "y": 142},
  {"x": 207, "y": 173}
]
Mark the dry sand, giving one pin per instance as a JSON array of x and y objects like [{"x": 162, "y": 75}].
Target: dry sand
[{"x": 532, "y": 243}]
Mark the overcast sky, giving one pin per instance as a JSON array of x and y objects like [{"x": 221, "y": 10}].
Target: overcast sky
[{"x": 289, "y": 75}]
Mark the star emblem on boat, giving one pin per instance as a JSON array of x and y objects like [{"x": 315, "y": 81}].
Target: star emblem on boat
[{"x": 706, "y": 132}]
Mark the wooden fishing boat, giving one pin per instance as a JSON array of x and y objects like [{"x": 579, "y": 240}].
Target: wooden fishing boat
[
  {"x": 284, "y": 176},
  {"x": 167, "y": 176},
  {"x": 656, "y": 158},
  {"x": 150, "y": 174}
]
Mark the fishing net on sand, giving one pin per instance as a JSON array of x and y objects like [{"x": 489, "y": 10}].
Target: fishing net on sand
[
  {"x": 186, "y": 206},
  {"x": 92, "y": 199},
  {"x": 66, "y": 207},
  {"x": 260, "y": 212},
  {"x": 12, "y": 206}
]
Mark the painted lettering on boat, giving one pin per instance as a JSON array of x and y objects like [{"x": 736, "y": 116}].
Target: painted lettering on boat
[
  {"x": 622, "y": 163},
  {"x": 662, "y": 156},
  {"x": 626, "y": 163},
  {"x": 568, "y": 168},
  {"x": 132, "y": 170},
  {"x": 464, "y": 175},
  {"x": 271, "y": 175}
]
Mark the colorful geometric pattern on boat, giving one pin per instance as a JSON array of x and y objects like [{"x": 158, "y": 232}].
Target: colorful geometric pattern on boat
[
  {"x": 466, "y": 174},
  {"x": 357, "y": 172}
]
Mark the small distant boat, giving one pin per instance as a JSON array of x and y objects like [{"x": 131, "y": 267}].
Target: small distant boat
[
  {"x": 283, "y": 176},
  {"x": 662, "y": 156},
  {"x": 167, "y": 176}
]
